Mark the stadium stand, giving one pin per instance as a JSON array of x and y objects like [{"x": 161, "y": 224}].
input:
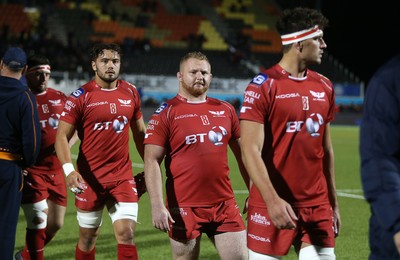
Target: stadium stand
[
  {"x": 243, "y": 31},
  {"x": 238, "y": 35}
]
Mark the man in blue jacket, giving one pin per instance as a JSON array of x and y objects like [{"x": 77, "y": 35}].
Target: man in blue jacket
[
  {"x": 19, "y": 142},
  {"x": 380, "y": 160}
]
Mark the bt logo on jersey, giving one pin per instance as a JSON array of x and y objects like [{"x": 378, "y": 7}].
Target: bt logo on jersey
[
  {"x": 52, "y": 121},
  {"x": 117, "y": 125},
  {"x": 313, "y": 124},
  {"x": 192, "y": 139},
  {"x": 293, "y": 126},
  {"x": 215, "y": 136}
]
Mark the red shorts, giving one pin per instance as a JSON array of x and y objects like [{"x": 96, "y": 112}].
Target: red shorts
[
  {"x": 116, "y": 191},
  {"x": 314, "y": 226},
  {"x": 191, "y": 222},
  {"x": 38, "y": 187}
]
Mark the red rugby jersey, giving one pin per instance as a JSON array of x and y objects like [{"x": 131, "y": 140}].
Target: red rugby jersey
[
  {"x": 294, "y": 112},
  {"x": 50, "y": 105},
  {"x": 196, "y": 136},
  {"x": 102, "y": 118}
]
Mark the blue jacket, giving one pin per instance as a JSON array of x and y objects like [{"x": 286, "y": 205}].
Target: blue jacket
[
  {"x": 20, "y": 132},
  {"x": 380, "y": 146}
]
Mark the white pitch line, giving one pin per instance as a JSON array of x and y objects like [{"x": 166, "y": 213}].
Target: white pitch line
[
  {"x": 350, "y": 190},
  {"x": 241, "y": 191},
  {"x": 349, "y": 195},
  {"x": 138, "y": 165}
]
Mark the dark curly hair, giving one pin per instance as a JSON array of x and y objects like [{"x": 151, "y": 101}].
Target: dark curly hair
[
  {"x": 300, "y": 18},
  {"x": 99, "y": 48}
]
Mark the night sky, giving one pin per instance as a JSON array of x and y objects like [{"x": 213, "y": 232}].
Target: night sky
[{"x": 361, "y": 34}]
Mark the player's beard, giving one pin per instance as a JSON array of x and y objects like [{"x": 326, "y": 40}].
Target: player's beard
[
  {"x": 43, "y": 87},
  {"x": 196, "y": 89},
  {"x": 109, "y": 78},
  {"x": 39, "y": 88}
]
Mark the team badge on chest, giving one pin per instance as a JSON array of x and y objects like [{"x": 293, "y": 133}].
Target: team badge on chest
[{"x": 113, "y": 108}]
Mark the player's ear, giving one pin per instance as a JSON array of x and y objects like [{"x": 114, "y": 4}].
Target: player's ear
[
  {"x": 94, "y": 67},
  {"x": 299, "y": 46},
  {"x": 179, "y": 75}
]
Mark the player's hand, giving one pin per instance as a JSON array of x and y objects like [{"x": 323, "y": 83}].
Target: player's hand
[
  {"x": 336, "y": 221},
  {"x": 162, "y": 219},
  {"x": 282, "y": 214},
  {"x": 75, "y": 182}
]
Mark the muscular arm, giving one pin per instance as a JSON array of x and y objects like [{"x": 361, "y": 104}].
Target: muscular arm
[
  {"x": 153, "y": 157},
  {"x": 64, "y": 134},
  {"x": 138, "y": 128},
  {"x": 74, "y": 139},
  {"x": 329, "y": 171},
  {"x": 252, "y": 140}
]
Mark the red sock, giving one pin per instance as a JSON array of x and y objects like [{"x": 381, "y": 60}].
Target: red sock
[
  {"x": 34, "y": 244},
  {"x": 80, "y": 255},
  {"x": 25, "y": 254},
  {"x": 126, "y": 252}
]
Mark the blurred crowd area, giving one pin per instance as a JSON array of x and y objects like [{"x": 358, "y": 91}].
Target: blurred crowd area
[
  {"x": 65, "y": 30},
  {"x": 238, "y": 36}
]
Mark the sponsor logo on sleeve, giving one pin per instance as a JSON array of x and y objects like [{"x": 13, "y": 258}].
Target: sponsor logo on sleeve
[
  {"x": 161, "y": 108},
  {"x": 78, "y": 92},
  {"x": 243, "y": 109},
  {"x": 250, "y": 96},
  {"x": 151, "y": 124},
  {"x": 259, "y": 79},
  {"x": 69, "y": 105}
]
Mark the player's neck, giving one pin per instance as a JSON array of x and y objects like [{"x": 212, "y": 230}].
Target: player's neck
[
  {"x": 106, "y": 85},
  {"x": 293, "y": 66},
  {"x": 193, "y": 99}
]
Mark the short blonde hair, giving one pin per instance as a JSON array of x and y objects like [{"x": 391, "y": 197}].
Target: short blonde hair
[{"x": 195, "y": 55}]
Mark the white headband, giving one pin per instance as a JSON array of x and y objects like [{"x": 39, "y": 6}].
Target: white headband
[
  {"x": 42, "y": 68},
  {"x": 301, "y": 35}
]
